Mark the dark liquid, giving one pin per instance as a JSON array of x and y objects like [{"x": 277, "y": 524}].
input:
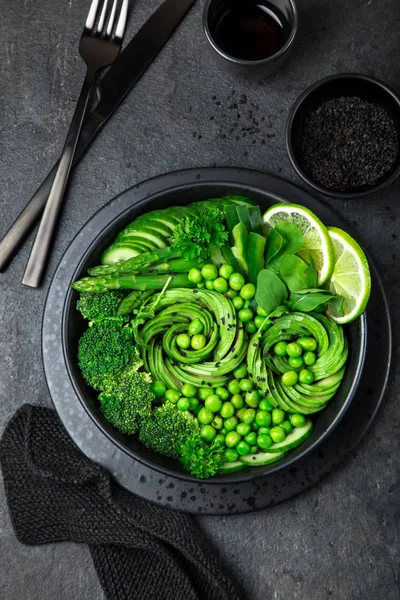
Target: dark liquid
[{"x": 250, "y": 30}]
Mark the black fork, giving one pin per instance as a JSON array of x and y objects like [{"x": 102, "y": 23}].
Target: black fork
[{"x": 99, "y": 46}]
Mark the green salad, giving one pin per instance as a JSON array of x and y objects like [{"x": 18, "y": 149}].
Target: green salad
[{"x": 215, "y": 332}]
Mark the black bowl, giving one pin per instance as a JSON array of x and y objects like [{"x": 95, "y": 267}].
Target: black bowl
[
  {"x": 73, "y": 326},
  {"x": 335, "y": 86}
]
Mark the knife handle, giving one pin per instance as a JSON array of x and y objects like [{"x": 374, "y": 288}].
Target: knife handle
[{"x": 25, "y": 222}]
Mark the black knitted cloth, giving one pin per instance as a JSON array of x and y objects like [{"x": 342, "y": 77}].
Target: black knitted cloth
[{"x": 140, "y": 551}]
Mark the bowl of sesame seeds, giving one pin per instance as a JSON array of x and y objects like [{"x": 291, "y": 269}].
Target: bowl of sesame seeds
[{"x": 343, "y": 135}]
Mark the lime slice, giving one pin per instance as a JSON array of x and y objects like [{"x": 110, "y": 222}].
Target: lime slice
[
  {"x": 350, "y": 278},
  {"x": 316, "y": 236}
]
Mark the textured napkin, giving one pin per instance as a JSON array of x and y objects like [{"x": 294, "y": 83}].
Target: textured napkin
[{"x": 140, "y": 551}]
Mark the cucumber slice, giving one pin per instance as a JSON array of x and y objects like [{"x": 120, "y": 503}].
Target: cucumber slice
[
  {"x": 293, "y": 439},
  {"x": 232, "y": 467},
  {"x": 145, "y": 234},
  {"x": 153, "y": 224},
  {"x": 261, "y": 459},
  {"x": 119, "y": 253}
]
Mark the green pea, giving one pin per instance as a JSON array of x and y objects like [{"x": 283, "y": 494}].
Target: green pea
[
  {"x": 265, "y": 404},
  {"x": 198, "y": 342},
  {"x": 238, "y": 302},
  {"x": 243, "y": 428},
  {"x": 264, "y": 430},
  {"x": 193, "y": 403},
  {"x": 208, "y": 433},
  {"x": 296, "y": 362},
  {"x": 255, "y": 426},
  {"x": 261, "y": 312},
  {"x": 217, "y": 422},
  {"x": 263, "y": 418},
  {"x": 195, "y": 276},
  {"x": 254, "y": 449},
  {"x": 201, "y": 285},
  {"x": 249, "y": 415},
  {"x": 221, "y": 285},
  {"x": 232, "y": 439},
  {"x": 183, "y": 341},
  {"x": 245, "y": 315},
  {"x": 253, "y": 398},
  {"x": 248, "y": 291},
  {"x": 243, "y": 448},
  {"x": 205, "y": 416},
  {"x": 234, "y": 387},
  {"x": 309, "y": 358},
  {"x": 188, "y": 390},
  {"x": 226, "y": 271},
  {"x": 158, "y": 388},
  {"x": 294, "y": 349},
  {"x": 247, "y": 303},
  {"x": 213, "y": 403},
  {"x": 307, "y": 343},
  {"x": 237, "y": 401},
  {"x": 209, "y": 272},
  {"x": 195, "y": 327},
  {"x": 183, "y": 404},
  {"x": 280, "y": 348},
  {"x": 231, "y": 294},
  {"x": 246, "y": 385},
  {"x": 227, "y": 410},
  {"x": 205, "y": 393},
  {"x": 222, "y": 393},
  {"x": 231, "y": 423},
  {"x": 251, "y": 327},
  {"x": 240, "y": 413},
  {"x": 240, "y": 371},
  {"x": 297, "y": 420},
  {"x": 196, "y": 410},
  {"x": 277, "y": 434},
  {"x": 260, "y": 322},
  {"x": 287, "y": 426},
  {"x": 172, "y": 396},
  {"x": 306, "y": 376},
  {"x": 290, "y": 378},
  {"x": 278, "y": 415},
  {"x": 231, "y": 455},
  {"x": 236, "y": 281},
  {"x": 251, "y": 438},
  {"x": 210, "y": 285},
  {"x": 264, "y": 441},
  {"x": 224, "y": 432}
]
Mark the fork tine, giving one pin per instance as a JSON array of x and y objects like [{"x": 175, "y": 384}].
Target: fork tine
[
  {"x": 112, "y": 19},
  {"x": 91, "y": 18},
  {"x": 102, "y": 17},
  {"x": 119, "y": 33}
]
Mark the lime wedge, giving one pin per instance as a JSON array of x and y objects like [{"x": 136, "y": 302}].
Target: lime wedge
[
  {"x": 316, "y": 236},
  {"x": 350, "y": 278}
]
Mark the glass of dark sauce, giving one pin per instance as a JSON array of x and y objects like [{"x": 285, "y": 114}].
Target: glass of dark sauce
[{"x": 250, "y": 38}]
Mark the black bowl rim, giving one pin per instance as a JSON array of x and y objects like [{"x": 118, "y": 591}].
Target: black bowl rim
[
  {"x": 289, "y": 126},
  {"x": 251, "y": 63},
  {"x": 274, "y": 467}
]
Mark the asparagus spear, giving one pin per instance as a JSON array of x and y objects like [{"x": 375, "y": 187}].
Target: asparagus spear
[
  {"x": 99, "y": 285},
  {"x": 132, "y": 301},
  {"x": 179, "y": 265},
  {"x": 135, "y": 264}
]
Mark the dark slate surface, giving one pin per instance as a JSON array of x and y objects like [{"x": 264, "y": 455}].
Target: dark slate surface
[{"x": 340, "y": 540}]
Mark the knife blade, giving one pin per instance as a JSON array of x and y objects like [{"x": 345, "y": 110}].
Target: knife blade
[{"x": 112, "y": 89}]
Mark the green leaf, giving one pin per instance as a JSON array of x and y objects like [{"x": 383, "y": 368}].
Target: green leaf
[
  {"x": 296, "y": 273},
  {"x": 292, "y": 235},
  {"x": 240, "y": 237},
  {"x": 271, "y": 291},
  {"x": 337, "y": 303},
  {"x": 309, "y": 302},
  {"x": 275, "y": 244}
]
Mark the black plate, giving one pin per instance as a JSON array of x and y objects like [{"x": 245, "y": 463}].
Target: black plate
[{"x": 211, "y": 497}]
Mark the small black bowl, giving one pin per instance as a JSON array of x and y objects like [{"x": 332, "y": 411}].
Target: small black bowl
[
  {"x": 335, "y": 86},
  {"x": 73, "y": 326}
]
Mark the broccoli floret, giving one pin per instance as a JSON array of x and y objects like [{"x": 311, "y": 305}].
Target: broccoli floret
[
  {"x": 99, "y": 306},
  {"x": 199, "y": 458},
  {"x": 167, "y": 429},
  {"x": 104, "y": 350},
  {"x": 127, "y": 400}
]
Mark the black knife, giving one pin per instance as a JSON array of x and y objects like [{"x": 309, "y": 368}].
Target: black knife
[{"x": 112, "y": 89}]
